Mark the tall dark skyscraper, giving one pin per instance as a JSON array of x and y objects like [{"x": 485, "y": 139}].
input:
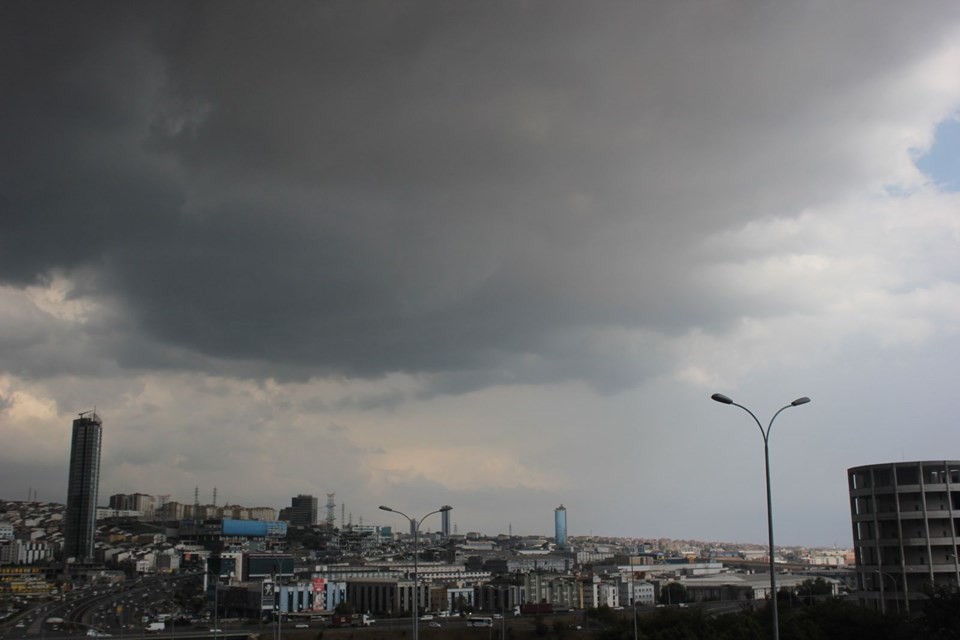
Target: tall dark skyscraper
[
  {"x": 80, "y": 526},
  {"x": 445, "y": 521}
]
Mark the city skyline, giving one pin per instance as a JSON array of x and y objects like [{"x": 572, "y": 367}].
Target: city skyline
[{"x": 490, "y": 255}]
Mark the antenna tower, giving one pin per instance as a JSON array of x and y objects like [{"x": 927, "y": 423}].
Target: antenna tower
[
  {"x": 331, "y": 510},
  {"x": 214, "y": 496}
]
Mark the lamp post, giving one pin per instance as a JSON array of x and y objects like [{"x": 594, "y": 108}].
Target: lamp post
[
  {"x": 956, "y": 566},
  {"x": 722, "y": 399},
  {"x": 216, "y": 603},
  {"x": 216, "y": 596},
  {"x": 277, "y": 594},
  {"x": 415, "y": 525},
  {"x": 896, "y": 598}
]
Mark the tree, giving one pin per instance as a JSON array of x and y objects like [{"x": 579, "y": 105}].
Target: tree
[
  {"x": 809, "y": 590},
  {"x": 836, "y": 619},
  {"x": 189, "y": 596},
  {"x": 463, "y": 606},
  {"x": 559, "y": 629},
  {"x": 941, "y": 612},
  {"x": 602, "y": 614},
  {"x": 540, "y": 627},
  {"x": 344, "y": 609},
  {"x": 673, "y": 593}
]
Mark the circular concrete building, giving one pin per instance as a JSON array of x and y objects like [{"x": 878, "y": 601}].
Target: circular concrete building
[{"x": 906, "y": 518}]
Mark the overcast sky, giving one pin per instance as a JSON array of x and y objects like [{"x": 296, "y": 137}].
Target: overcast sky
[{"x": 496, "y": 255}]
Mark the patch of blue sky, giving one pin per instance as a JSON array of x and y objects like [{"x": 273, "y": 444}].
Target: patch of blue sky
[{"x": 942, "y": 162}]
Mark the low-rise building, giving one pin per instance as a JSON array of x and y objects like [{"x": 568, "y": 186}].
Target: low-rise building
[
  {"x": 562, "y": 591},
  {"x": 743, "y": 586},
  {"x": 637, "y": 592}
]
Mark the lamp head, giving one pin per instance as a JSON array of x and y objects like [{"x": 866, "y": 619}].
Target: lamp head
[
  {"x": 383, "y": 508},
  {"x": 722, "y": 399},
  {"x": 445, "y": 508},
  {"x": 800, "y": 401}
]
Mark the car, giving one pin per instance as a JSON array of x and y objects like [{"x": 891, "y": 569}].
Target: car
[
  {"x": 216, "y": 630},
  {"x": 301, "y": 625},
  {"x": 20, "y": 625},
  {"x": 436, "y": 625}
]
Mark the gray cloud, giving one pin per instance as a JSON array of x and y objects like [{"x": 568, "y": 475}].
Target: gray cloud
[
  {"x": 478, "y": 253},
  {"x": 302, "y": 189}
]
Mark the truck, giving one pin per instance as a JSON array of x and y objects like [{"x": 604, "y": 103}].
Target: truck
[
  {"x": 355, "y": 620},
  {"x": 155, "y": 626},
  {"x": 536, "y": 608}
]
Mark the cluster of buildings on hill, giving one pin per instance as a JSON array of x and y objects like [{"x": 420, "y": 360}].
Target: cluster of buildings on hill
[
  {"x": 141, "y": 505},
  {"x": 261, "y": 568},
  {"x": 30, "y": 533},
  {"x": 905, "y": 517}
]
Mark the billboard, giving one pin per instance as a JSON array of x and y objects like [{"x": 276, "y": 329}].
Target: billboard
[
  {"x": 267, "y": 565},
  {"x": 268, "y": 595},
  {"x": 254, "y": 528},
  {"x": 319, "y": 594}
]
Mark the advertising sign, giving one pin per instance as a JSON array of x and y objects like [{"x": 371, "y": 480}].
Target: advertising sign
[
  {"x": 319, "y": 595},
  {"x": 268, "y": 595}
]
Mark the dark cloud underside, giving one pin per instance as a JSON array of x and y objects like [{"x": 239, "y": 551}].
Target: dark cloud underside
[{"x": 470, "y": 188}]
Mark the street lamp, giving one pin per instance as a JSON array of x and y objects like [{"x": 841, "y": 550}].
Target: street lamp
[
  {"x": 216, "y": 595},
  {"x": 722, "y": 399},
  {"x": 956, "y": 567},
  {"x": 277, "y": 597},
  {"x": 415, "y": 525},
  {"x": 883, "y": 600}
]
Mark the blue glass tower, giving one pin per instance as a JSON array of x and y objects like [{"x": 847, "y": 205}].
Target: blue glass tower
[{"x": 560, "y": 524}]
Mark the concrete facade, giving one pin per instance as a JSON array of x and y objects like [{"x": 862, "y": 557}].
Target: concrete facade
[{"x": 905, "y": 518}]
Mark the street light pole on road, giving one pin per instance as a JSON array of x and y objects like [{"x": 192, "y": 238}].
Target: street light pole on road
[
  {"x": 722, "y": 399},
  {"x": 415, "y": 525}
]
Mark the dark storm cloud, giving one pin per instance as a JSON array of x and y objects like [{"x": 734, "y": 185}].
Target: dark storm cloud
[{"x": 468, "y": 188}]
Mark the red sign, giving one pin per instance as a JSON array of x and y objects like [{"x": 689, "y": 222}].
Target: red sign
[{"x": 318, "y": 593}]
